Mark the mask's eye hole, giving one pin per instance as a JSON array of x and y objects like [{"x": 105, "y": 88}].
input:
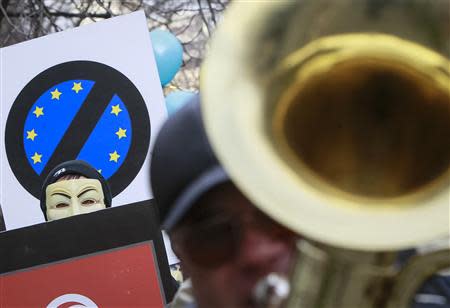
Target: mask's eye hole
[
  {"x": 89, "y": 202},
  {"x": 61, "y": 205}
]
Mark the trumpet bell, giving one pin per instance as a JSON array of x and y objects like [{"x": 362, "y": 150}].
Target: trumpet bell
[{"x": 341, "y": 134}]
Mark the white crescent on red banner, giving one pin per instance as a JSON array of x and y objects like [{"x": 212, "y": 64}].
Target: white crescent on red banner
[{"x": 72, "y": 301}]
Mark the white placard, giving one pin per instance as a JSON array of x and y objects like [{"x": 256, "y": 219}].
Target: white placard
[{"x": 122, "y": 43}]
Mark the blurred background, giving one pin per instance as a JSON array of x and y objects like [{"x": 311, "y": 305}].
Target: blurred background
[{"x": 191, "y": 21}]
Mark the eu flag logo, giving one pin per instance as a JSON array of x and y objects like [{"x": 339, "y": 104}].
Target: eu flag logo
[
  {"x": 78, "y": 110},
  {"x": 50, "y": 117}
]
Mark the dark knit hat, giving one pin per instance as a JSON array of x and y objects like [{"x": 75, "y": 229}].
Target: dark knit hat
[
  {"x": 76, "y": 167},
  {"x": 183, "y": 165}
]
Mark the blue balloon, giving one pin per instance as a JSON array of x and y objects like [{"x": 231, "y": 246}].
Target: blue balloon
[
  {"x": 176, "y": 99},
  {"x": 168, "y": 54}
]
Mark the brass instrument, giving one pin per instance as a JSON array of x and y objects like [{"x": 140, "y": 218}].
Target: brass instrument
[{"x": 334, "y": 118}]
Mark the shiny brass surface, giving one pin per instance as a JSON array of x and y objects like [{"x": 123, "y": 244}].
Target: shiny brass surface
[
  {"x": 345, "y": 106},
  {"x": 334, "y": 118},
  {"x": 372, "y": 120}
]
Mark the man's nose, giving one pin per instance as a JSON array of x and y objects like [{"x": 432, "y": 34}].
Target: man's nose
[{"x": 259, "y": 249}]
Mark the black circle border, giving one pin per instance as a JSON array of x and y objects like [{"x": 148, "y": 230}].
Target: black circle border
[{"x": 78, "y": 70}]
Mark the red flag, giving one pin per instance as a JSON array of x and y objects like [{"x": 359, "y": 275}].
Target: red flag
[{"x": 123, "y": 277}]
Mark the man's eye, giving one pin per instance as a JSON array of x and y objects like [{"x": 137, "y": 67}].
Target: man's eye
[
  {"x": 88, "y": 202},
  {"x": 61, "y": 205}
]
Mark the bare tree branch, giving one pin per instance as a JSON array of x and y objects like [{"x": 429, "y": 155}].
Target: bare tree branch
[
  {"x": 4, "y": 5},
  {"x": 50, "y": 18},
  {"x": 5, "y": 14},
  {"x": 191, "y": 21},
  {"x": 106, "y": 8},
  {"x": 205, "y": 21},
  {"x": 211, "y": 11}
]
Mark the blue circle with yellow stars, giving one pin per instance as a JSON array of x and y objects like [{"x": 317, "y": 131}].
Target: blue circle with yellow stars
[
  {"x": 78, "y": 110},
  {"x": 49, "y": 118}
]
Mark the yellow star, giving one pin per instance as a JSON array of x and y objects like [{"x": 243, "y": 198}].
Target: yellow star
[
  {"x": 36, "y": 158},
  {"x": 56, "y": 94},
  {"x": 38, "y": 111},
  {"x": 121, "y": 133},
  {"x": 116, "y": 109},
  {"x": 77, "y": 87},
  {"x": 31, "y": 134},
  {"x": 114, "y": 156}
]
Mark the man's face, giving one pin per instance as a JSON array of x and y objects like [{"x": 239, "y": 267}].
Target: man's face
[
  {"x": 72, "y": 197},
  {"x": 226, "y": 245}
]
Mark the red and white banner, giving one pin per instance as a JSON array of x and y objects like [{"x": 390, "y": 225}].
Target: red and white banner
[{"x": 123, "y": 277}]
